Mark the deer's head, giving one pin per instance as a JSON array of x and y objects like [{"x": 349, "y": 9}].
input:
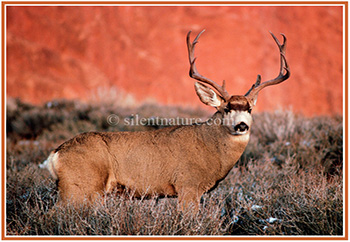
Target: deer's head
[{"x": 235, "y": 110}]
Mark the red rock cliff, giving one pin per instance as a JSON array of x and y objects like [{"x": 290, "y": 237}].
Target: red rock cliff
[{"x": 68, "y": 52}]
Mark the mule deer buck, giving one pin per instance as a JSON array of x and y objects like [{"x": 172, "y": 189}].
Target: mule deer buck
[{"x": 184, "y": 161}]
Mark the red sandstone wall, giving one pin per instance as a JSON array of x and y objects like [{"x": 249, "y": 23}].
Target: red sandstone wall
[{"x": 67, "y": 52}]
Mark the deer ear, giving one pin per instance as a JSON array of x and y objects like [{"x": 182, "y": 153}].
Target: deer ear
[
  {"x": 207, "y": 95},
  {"x": 252, "y": 101}
]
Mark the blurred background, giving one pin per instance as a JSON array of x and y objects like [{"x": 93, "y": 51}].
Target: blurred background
[{"x": 139, "y": 52}]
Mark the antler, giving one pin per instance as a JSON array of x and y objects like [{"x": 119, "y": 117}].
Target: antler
[
  {"x": 254, "y": 90},
  {"x": 194, "y": 73}
]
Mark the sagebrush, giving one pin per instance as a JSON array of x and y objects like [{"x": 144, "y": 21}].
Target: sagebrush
[{"x": 289, "y": 181}]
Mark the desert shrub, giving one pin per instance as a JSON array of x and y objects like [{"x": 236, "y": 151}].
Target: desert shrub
[
  {"x": 291, "y": 183},
  {"x": 62, "y": 119},
  {"x": 296, "y": 142}
]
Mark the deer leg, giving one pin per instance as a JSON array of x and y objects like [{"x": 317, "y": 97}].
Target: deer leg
[
  {"x": 78, "y": 185},
  {"x": 189, "y": 198},
  {"x": 78, "y": 192}
]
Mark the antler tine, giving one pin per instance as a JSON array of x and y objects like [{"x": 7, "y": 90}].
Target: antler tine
[
  {"x": 194, "y": 73},
  {"x": 254, "y": 90}
]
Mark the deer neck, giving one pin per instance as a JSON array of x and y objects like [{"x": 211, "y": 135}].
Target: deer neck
[{"x": 229, "y": 148}]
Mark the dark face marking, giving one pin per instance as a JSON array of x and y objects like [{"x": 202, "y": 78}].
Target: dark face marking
[{"x": 238, "y": 103}]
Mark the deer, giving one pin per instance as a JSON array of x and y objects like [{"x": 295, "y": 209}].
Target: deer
[{"x": 182, "y": 161}]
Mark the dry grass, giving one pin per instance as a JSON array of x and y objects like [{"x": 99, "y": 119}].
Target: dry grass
[{"x": 289, "y": 181}]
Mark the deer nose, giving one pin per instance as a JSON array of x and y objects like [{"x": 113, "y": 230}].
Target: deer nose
[{"x": 241, "y": 127}]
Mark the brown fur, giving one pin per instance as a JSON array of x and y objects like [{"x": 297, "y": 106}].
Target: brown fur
[
  {"x": 238, "y": 103},
  {"x": 183, "y": 161}
]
